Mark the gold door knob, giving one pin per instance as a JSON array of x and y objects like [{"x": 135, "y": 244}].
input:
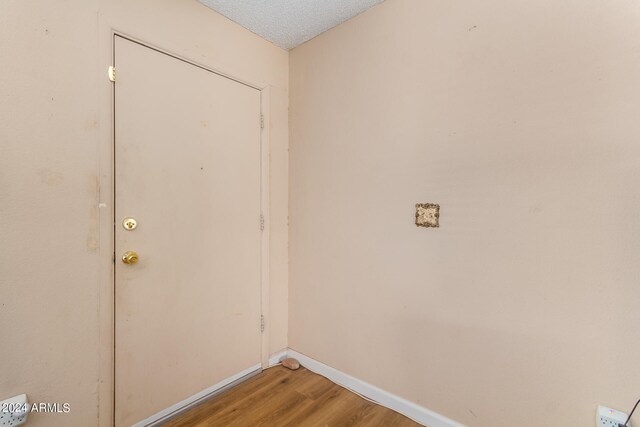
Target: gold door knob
[{"x": 130, "y": 257}]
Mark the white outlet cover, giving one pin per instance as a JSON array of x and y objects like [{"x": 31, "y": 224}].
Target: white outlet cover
[
  {"x": 14, "y": 411},
  {"x": 607, "y": 417}
]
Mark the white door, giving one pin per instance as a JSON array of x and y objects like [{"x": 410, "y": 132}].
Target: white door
[{"x": 187, "y": 169}]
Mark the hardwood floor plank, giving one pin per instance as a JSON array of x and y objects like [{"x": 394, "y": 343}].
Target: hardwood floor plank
[
  {"x": 273, "y": 403},
  {"x": 280, "y": 397},
  {"x": 228, "y": 404}
]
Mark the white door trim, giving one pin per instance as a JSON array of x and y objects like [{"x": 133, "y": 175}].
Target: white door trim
[{"x": 265, "y": 238}]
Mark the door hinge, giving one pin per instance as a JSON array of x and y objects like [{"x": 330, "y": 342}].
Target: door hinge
[
  {"x": 261, "y": 121},
  {"x": 261, "y": 222},
  {"x": 112, "y": 73},
  {"x": 262, "y": 323}
]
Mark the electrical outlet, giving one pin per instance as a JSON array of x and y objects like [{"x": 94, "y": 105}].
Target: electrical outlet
[
  {"x": 607, "y": 417},
  {"x": 14, "y": 411}
]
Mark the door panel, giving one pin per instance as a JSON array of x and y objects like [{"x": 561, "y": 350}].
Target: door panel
[{"x": 187, "y": 168}]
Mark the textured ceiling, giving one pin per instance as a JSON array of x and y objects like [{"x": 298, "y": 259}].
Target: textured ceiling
[{"x": 288, "y": 23}]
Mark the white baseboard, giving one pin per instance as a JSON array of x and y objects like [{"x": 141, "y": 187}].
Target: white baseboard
[
  {"x": 277, "y": 357},
  {"x": 189, "y": 402},
  {"x": 415, "y": 412}
]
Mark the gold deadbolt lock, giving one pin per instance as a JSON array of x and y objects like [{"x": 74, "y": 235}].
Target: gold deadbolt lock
[
  {"x": 129, "y": 223},
  {"x": 130, "y": 257}
]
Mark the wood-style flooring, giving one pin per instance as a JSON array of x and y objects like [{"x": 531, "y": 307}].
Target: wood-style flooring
[{"x": 280, "y": 397}]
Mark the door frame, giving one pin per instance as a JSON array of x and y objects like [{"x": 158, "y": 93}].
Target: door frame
[{"x": 108, "y": 222}]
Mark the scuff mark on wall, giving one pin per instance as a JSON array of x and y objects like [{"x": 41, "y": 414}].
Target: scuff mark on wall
[
  {"x": 49, "y": 177},
  {"x": 92, "y": 122},
  {"x": 93, "y": 234},
  {"x": 93, "y": 240}
]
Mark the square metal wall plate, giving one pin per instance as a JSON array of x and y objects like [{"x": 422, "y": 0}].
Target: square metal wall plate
[{"x": 427, "y": 215}]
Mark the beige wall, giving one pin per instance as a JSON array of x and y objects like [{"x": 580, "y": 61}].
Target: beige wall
[
  {"x": 55, "y": 160},
  {"x": 520, "y": 118},
  {"x": 517, "y": 117}
]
